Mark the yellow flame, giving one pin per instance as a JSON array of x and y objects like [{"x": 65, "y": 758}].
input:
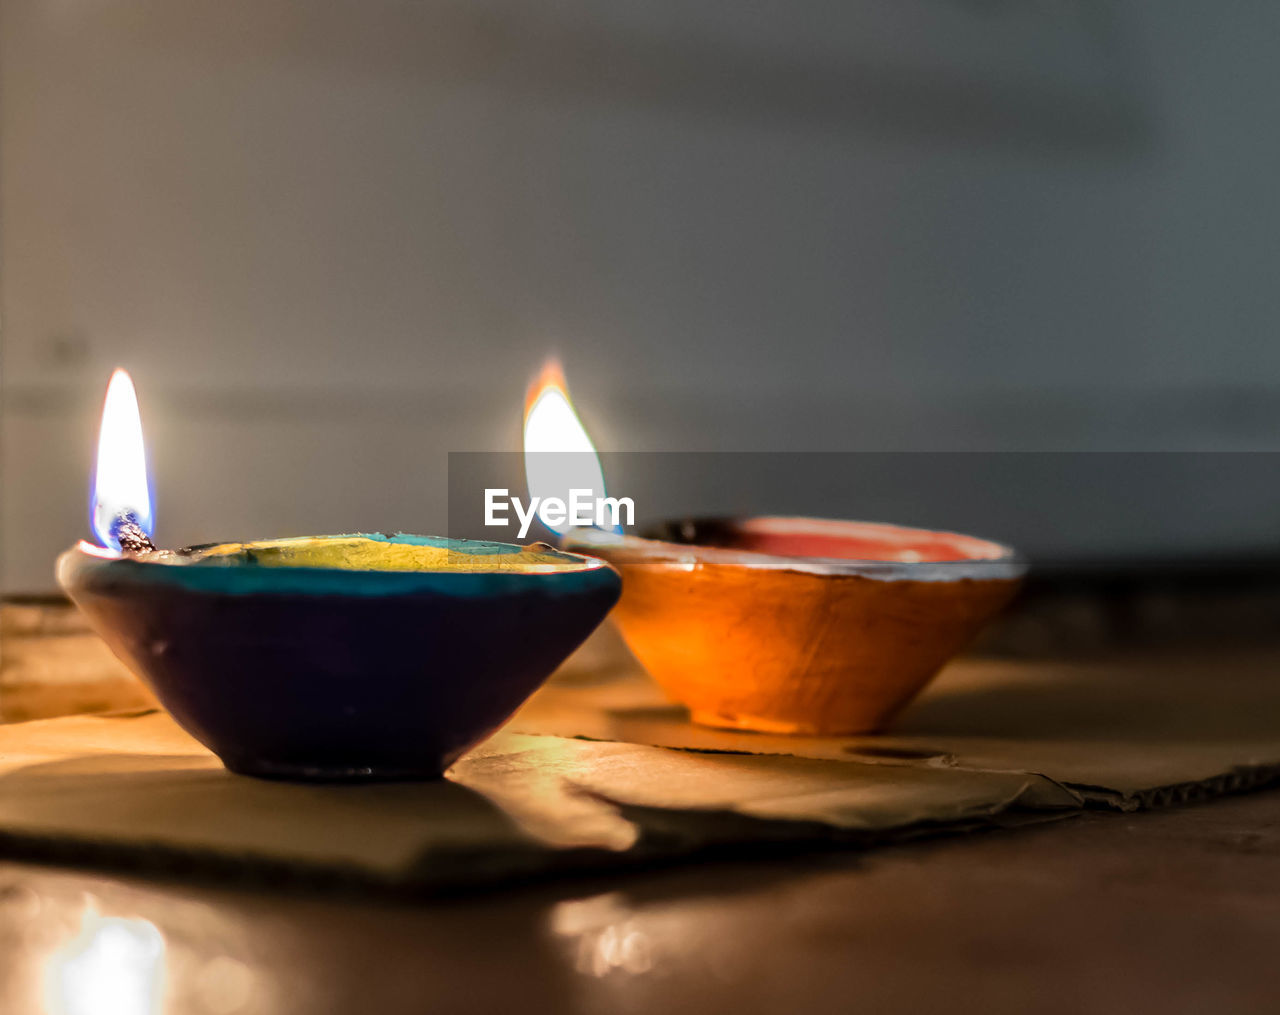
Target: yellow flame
[
  {"x": 120, "y": 484},
  {"x": 558, "y": 454}
]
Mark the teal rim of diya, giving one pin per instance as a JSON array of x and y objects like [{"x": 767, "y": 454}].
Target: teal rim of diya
[{"x": 361, "y": 563}]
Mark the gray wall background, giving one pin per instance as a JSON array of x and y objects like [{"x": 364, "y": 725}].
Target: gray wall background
[{"x": 333, "y": 239}]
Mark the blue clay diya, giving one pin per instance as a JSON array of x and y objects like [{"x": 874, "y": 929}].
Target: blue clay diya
[{"x": 341, "y": 657}]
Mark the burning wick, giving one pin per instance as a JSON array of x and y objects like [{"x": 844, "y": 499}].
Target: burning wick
[
  {"x": 129, "y": 535},
  {"x": 121, "y": 511}
]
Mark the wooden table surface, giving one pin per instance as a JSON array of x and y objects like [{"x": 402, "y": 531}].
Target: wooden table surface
[{"x": 1173, "y": 912}]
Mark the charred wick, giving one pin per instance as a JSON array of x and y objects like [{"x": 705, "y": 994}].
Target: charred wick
[{"x": 129, "y": 534}]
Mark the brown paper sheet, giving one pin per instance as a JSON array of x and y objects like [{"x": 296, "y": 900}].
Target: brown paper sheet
[
  {"x": 1124, "y": 731},
  {"x": 585, "y": 776},
  {"x": 138, "y": 790}
]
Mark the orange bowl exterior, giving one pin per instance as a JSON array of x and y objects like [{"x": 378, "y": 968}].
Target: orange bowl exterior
[{"x": 772, "y": 649}]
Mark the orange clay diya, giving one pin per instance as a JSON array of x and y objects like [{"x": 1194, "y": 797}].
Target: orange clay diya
[{"x": 800, "y": 625}]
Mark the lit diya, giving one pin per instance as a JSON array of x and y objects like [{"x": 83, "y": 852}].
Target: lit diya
[
  {"x": 367, "y": 656},
  {"x": 792, "y": 625}
]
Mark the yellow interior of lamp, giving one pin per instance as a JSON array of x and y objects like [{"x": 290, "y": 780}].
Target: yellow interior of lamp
[{"x": 359, "y": 553}]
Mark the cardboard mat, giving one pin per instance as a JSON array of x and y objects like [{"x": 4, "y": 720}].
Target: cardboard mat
[
  {"x": 585, "y": 777},
  {"x": 1124, "y": 732}
]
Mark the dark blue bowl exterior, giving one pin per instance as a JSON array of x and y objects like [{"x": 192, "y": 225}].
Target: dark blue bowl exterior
[{"x": 397, "y": 683}]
